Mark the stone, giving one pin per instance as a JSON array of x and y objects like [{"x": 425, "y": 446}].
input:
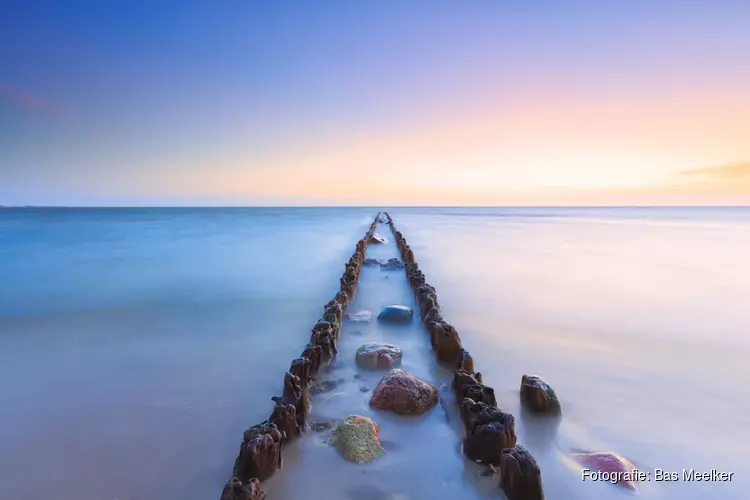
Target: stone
[
  {"x": 376, "y": 355},
  {"x": 359, "y": 317},
  {"x": 358, "y": 439},
  {"x": 376, "y": 238},
  {"x": 260, "y": 453},
  {"x": 609, "y": 462},
  {"x": 488, "y": 432},
  {"x": 403, "y": 393},
  {"x": 537, "y": 396},
  {"x": 396, "y": 314},
  {"x": 520, "y": 477},
  {"x": 236, "y": 490},
  {"x": 372, "y": 262},
  {"x": 391, "y": 265}
]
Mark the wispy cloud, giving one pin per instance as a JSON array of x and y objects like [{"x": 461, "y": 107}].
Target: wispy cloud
[
  {"x": 28, "y": 100},
  {"x": 726, "y": 172}
]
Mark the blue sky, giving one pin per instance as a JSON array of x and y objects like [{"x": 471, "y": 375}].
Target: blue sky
[{"x": 262, "y": 102}]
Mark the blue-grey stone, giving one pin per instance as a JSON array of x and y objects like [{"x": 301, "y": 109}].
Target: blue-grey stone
[{"x": 396, "y": 314}]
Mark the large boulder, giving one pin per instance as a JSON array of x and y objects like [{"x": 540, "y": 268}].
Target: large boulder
[
  {"x": 396, "y": 314},
  {"x": 236, "y": 490},
  {"x": 520, "y": 477},
  {"x": 377, "y": 355},
  {"x": 403, "y": 393},
  {"x": 611, "y": 463},
  {"x": 538, "y": 396},
  {"x": 357, "y": 438}
]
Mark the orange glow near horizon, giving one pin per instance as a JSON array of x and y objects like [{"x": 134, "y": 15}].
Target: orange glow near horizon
[{"x": 549, "y": 153}]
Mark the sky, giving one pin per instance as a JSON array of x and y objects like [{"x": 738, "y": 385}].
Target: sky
[{"x": 419, "y": 102}]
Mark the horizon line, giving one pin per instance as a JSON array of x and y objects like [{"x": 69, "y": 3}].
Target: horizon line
[{"x": 368, "y": 206}]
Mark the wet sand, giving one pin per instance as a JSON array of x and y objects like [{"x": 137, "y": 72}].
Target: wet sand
[{"x": 423, "y": 455}]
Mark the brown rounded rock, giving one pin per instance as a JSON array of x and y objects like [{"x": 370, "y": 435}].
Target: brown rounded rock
[
  {"x": 611, "y": 463},
  {"x": 538, "y": 396},
  {"x": 375, "y": 355},
  {"x": 403, "y": 393}
]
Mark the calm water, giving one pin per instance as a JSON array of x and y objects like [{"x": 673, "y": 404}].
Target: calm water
[{"x": 137, "y": 344}]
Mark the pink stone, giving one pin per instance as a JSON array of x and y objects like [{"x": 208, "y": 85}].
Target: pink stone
[
  {"x": 611, "y": 463},
  {"x": 403, "y": 393}
]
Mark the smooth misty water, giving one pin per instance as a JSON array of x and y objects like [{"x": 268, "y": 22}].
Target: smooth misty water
[{"x": 136, "y": 345}]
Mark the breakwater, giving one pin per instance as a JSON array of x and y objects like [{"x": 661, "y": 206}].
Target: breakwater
[
  {"x": 489, "y": 436},
  {"x": 260, "y": 455}
]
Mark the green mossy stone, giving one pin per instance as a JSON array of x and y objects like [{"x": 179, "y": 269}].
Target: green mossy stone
[{"x": 357, "y": 439}]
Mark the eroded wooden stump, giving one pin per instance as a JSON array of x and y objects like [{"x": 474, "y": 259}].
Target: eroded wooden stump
[
  {"x": 520, "y": 477},
  {"x": 236, "y": 490},
  {"x": 260, "y": 453}
]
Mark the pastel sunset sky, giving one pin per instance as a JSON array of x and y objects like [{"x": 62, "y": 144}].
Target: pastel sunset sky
[{"x": 382, "y": 102}]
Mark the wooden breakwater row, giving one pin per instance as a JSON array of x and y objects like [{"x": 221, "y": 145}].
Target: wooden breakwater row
[
  {"x": 489, "y": 433},
  {"x": 260, "y": 454}
]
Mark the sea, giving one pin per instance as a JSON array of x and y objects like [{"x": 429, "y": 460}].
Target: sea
[{"x": 136, "y": 344}]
